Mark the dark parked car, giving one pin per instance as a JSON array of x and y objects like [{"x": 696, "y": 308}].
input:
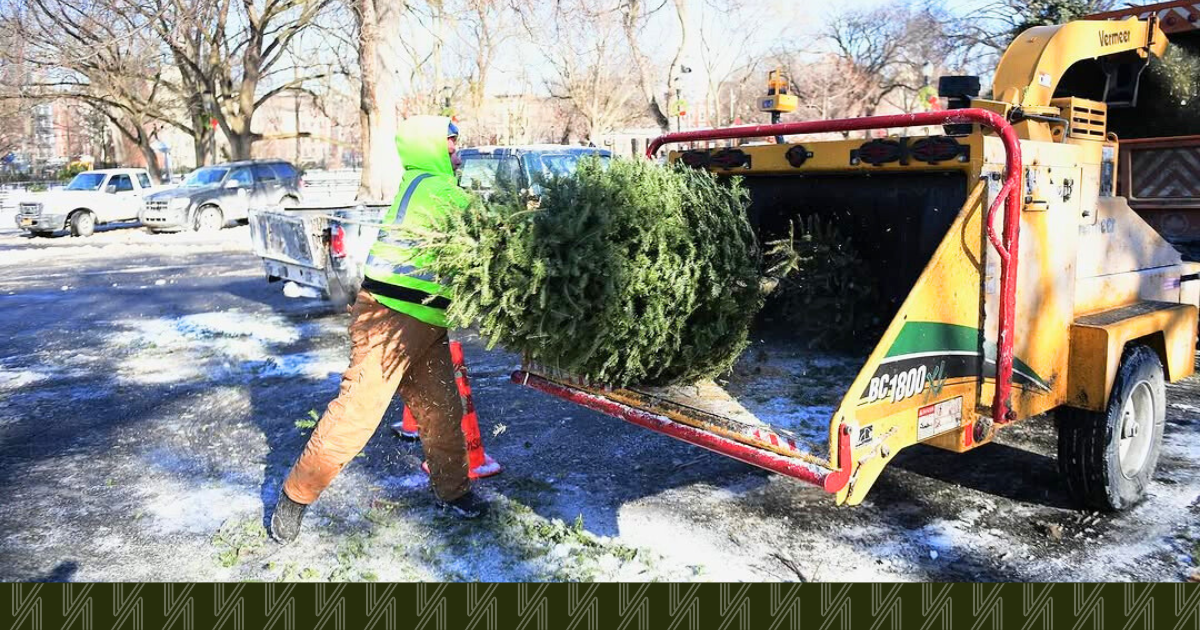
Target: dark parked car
[
  {"x": 522, "y": 168},
  {"x": 213, "y": 196}
]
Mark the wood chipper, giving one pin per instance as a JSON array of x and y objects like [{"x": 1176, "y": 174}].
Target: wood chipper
[{"x": 1017, "y": 283}]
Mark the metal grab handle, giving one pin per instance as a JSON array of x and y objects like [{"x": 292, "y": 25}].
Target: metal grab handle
[{"x": 1001, "y": 248}]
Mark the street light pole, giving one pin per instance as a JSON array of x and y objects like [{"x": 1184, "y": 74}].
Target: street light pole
[
  {"x": 679, "y": 97},
  {"x": 678, "y": 111}
]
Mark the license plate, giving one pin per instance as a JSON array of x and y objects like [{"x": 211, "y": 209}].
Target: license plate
[{"x": 26, "y": 221}]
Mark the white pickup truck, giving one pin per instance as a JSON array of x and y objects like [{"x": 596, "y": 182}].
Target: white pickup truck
[{"x": 92, "y": 198}]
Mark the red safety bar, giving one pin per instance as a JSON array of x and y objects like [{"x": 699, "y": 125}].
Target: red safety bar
[
  {"x": 1009, "y": 194},
  {"x": 828, "y": 480}
]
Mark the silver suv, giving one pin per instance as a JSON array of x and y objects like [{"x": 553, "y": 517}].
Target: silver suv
[{"x": 213, "y": 196}]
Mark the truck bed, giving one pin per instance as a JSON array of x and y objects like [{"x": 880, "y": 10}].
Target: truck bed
[{"x": 294, "y": 244}]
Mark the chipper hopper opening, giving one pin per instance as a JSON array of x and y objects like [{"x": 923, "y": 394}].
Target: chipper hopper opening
[{"x": 793, "y": 403}]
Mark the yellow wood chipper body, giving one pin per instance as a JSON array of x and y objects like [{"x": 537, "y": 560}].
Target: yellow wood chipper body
[{"x": 1014, "y": 282}]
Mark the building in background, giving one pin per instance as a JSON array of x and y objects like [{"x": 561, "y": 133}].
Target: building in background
[{"x": 295, "y": 128}]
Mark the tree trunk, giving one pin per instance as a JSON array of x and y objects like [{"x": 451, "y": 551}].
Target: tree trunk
[
  {"x": 136, "y": 133},
  {"x": 151, "y": 157},
  {"x": 201, "y": 141},
  {"x": 631, "y": 10},
  {"x": 378, "y": 52},
  {"x": 240, "y": 144},
  {"x": 201, "y": 129}
]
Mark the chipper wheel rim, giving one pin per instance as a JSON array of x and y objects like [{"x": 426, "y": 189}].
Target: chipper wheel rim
[{"x": 1137, "y": 430}]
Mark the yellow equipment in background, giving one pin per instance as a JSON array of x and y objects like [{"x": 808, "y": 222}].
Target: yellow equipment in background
[{"x": 778, "y": 100}]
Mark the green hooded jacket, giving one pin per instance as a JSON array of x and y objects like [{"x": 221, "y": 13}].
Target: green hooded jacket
[{"x": 394, "y": 273}]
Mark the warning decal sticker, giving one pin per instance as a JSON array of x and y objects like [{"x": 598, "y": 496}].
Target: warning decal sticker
[{"x": 939, "y": 418}]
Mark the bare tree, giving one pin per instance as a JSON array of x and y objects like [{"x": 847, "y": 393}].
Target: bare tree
[
  {"x": 982, "y": 36},
  {"x": 725, "y": 37},
  {"x": 882, "y": 51},
  {"x": 15, "y": 107},
  {"x": 590, "y": 63},
  {"x": 379, "y": 97},
  {"x": 634, "y": 15},
  {"x": 596, "y": 88},
  {"x": 237, "y": 54},
  {"x": 97, "y": 54},
  {"x": 486, "y": 27}
]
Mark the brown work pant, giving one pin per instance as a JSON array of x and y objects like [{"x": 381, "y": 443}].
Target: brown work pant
[{"x": 390, "y": 353}]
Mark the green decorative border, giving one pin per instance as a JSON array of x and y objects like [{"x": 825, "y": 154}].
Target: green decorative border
[
  {"x": 597, "y": 606},
  {"x": 918, "y": 341}
]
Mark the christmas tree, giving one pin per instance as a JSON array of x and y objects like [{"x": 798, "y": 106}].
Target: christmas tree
[
  {"x": 829, "y": 301},
  {"x": 625, "y": 273}
]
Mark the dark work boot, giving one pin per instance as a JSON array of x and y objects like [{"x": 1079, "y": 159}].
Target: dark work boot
[
  {"x": 469, "y": 505},
  {"x": 286, "y": 519}
]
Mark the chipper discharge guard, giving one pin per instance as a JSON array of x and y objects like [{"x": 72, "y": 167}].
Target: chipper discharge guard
[{"x": 1012, "y": 283}]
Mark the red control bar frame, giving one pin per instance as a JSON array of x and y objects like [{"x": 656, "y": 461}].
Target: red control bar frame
[
  {"x": 1007, "y": 247},
  {"x": 829, "y": 480}
]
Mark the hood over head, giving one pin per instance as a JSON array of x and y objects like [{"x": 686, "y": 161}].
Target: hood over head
[{"x": 421, "y": 143}]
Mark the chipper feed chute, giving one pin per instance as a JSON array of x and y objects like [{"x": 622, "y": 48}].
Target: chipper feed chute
[{"x": 934, "y": 271}]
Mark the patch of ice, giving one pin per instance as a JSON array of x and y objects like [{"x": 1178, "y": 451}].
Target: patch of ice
[
  {"x": 808, "y": 424},
  {"x": 293, "y": 290},
  {"x": 648, "y": 526},
  {"x": 158, "y": 370},
  {"x": 216, "y": 345},
  {"x": 407, "y": 482},
  {"x": 20, "y": 377},
  {"x": 311, "y": 365},
  {"x": 179, "y": 508},
  {"x": 1183, "y": 446},
  {"x": 264, "y": 328}
]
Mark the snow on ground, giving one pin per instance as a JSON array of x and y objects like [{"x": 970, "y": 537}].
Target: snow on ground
[
  {"x": 20, "y": 378},
  {"x": 149, "y": 412},
  {"x": 219, "y": 345}
]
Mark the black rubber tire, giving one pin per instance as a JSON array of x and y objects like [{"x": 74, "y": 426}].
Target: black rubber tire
[
  {"x": 82, "y": 223},
  {"x": 1089, "y": 441},
  {"x": 203, "y": 222}
]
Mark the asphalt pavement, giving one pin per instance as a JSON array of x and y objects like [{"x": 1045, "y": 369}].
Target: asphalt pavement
[{"x": 154, "y": 390}]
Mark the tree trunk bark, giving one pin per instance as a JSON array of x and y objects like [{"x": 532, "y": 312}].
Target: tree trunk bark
[
  {"x": 200, "y": 143},
  {"x": 378, "y": 52}
]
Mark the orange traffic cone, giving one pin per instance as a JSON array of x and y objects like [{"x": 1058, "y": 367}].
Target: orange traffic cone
[
  {"x": 407, "y": 429},
  {"x": 481, "y": 464}
]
